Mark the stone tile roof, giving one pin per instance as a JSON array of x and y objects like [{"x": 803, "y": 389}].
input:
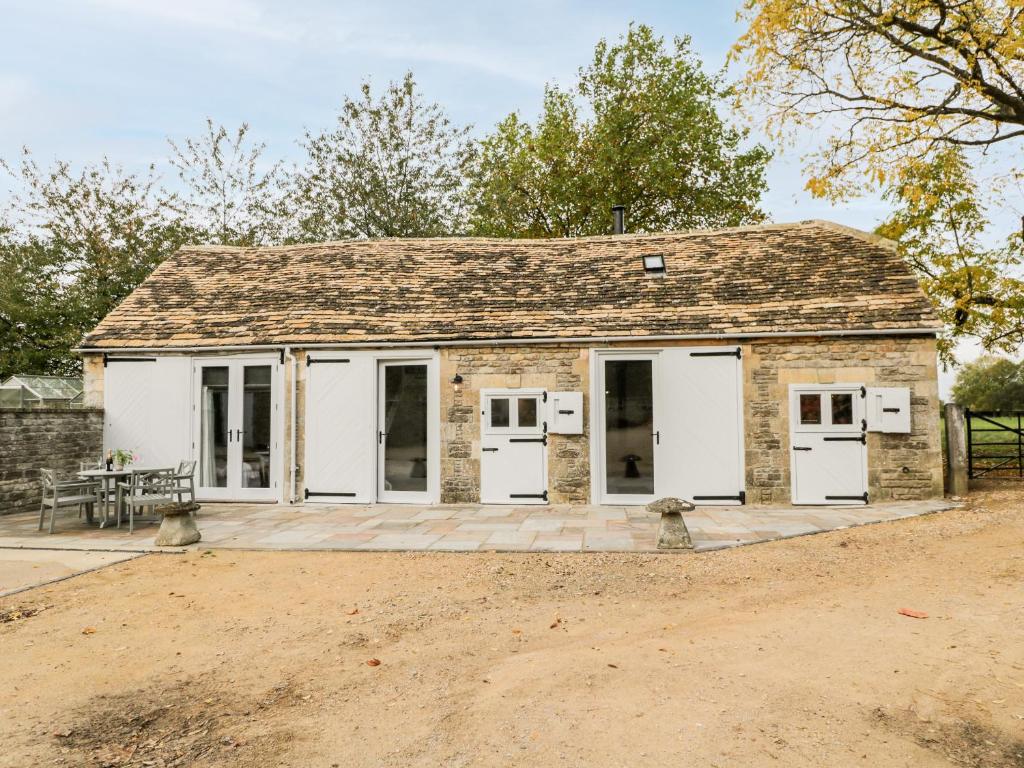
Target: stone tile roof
[{"x": 809, "y": 276}]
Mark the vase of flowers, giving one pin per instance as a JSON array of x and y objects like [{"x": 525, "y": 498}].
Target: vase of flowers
[{"x": 123, "y": 458}]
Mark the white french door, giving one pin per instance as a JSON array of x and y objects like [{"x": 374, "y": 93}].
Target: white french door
[
  {"x": 235, "y": 434},
  {"x": 405, "y": 456}
]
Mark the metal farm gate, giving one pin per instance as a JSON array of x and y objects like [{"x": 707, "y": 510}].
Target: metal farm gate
[{"x": 995, "y": 444}]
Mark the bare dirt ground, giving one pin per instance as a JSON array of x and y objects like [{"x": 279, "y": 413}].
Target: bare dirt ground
[{"x": 785, "y": 654}]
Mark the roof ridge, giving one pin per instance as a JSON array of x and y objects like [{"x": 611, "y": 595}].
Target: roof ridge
[{"x": 680, "y": 233}]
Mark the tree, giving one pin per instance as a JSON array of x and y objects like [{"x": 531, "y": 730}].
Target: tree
[
  {"x": 393, "y": 167},
  {"x": 892, "y": 81},
  {"x": 227, "y": 199},
  {"x": 939, "y": 226},
  {"x": 652, "y": 140},
  {"x": 990, "y": 384},
  {"x": 78, "y": 244}
]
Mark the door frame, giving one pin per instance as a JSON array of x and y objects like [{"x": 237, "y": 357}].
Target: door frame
[
  {"x": 274, "y": 492},
  {"x": 432, "y": 494},
  {"x": 536, "y": 392},
  {"x": 794, "y": 421},
  {"x": 598, "y": 462}
]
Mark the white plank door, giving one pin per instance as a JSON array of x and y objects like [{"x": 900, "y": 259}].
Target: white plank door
[
  {"x": 828, "y": 445},
  {"x": 513, "y": 447},
  {"x": 699, "y": 428},
  {"x": 340, "y": 410},
  {"x": 146, "y": 408}
]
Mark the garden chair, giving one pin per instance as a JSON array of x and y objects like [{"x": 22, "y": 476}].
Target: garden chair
[
  {"x": 66, "y": 493},
  {"x": 184, "y": 481},
  {"x": 145, "y": 488}
]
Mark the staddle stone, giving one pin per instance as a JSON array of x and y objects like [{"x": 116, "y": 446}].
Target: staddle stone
[
  {"x": 672, "y": 533},
  {"x": 178, "y": 528}
]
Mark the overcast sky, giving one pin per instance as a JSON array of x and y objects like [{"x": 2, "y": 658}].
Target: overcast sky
[{"x": 84, "y": 78}]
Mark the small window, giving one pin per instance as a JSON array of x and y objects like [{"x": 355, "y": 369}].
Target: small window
[
  {"x": 499, "y": 412},
  {"x": 527, "y": 411},
  {"x": 654, "y": 263},
  {"x": 810, "y": 409},
  {"x": 842, "y": 408}
]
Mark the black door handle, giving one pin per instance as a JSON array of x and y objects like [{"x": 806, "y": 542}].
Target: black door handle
[
  {"x": 488, "y": 449},
  {"x": 657, "y": 437},
  {"x": 381, "y": 436},
  {"x": 800, "y": 448}
]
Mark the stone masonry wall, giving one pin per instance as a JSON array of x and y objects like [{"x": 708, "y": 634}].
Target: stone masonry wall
[
  {"x": 43, "y": 438},
  {"x": 555, "y": 368},
  {"x": 900, "y": 467}
]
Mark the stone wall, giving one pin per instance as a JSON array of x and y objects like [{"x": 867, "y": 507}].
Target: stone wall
[
  {"x": 555, "y": 368},
  {"x": 50, "y": 438},
  {"x": 899, "y": 466}
]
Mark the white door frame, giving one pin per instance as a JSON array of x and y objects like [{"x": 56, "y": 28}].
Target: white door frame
[
  {"x": 824, "y": 429},
  {"x": 598, "y": 463},
  {"x": 433, "y": 492},
  {"x": 233, "y": 363},
  {"x": 486, "y": 431}
]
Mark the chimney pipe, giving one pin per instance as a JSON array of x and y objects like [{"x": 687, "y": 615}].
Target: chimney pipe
[{"x": 619, "y": 225}]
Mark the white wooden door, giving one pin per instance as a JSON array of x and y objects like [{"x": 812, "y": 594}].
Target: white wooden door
[
  {"x": 513, "y": 447},
  {"x": 237, "y": 445},
  {"x": 146, "y": 408},
  {"x": 340, "y": 425},
  {"x": 699, "y": 431},
  {"x": 828, "y": 445}
]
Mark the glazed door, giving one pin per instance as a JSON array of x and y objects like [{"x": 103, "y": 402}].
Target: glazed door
[
  {"x": 513, "y": 447},
  {"x": 828, "y": 445},
  {"x": 629, "y": 433},
  {"x": 402, "y": 435},
  {"x": 235, "y": 443}
]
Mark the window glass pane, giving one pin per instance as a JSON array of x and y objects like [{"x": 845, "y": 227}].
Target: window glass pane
[
  {"x": 629, "y": 426},
  {"x": 405, "y": 422},
  {"x": 499, "y": 412},
  {"x": 256, "y": 427},
  {"x": 213, "y": 445},
  {"x": 842, "y": 408},
  {"x": 527, "y": 411},
  {"x": 810, "y": 409}
]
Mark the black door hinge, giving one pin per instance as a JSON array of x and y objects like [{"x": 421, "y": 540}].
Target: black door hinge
[
  {"x": 307, "y": 493},
  {"x": 737, "y": 353},
  {"x": 542, "y": 440},
  {"x": 863, "y": 497},
  {"x": 529, "y": 495},
  {"x": 741, "y": 497},
  {"x": 862, "y": 439},
  {"x": 310, "y": 360}
]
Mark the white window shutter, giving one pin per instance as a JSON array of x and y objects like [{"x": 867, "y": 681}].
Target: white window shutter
[
  {"x": 565, "y": 413},
  {"x": 888, "y": 409}
]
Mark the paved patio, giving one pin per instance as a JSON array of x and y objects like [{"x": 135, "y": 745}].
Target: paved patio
[{"x": 464, "y": 528}]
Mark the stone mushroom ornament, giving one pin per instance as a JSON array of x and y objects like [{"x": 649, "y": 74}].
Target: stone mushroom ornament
[{"x": 672, "y": 533}]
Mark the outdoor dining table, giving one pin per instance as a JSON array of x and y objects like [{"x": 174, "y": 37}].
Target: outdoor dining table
[{"x": 110, "y": 479}]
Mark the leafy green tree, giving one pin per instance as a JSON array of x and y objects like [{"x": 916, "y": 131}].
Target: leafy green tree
[
  {"x": 394, "y": 166},
  {"x": 888, "y": 82},
  {"x": 227, "y": 199},
  {"x": 640, "y": 128},
  {"x": 939, "y": 225},
  {"x": 78, "y": 243},
  {"x": 990, "y": 384}
]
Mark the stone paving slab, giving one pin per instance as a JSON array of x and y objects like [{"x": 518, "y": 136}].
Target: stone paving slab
[{"x": 458, "y": 528}]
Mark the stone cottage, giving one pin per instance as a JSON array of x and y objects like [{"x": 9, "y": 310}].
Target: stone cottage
[{"x": 790, "y": 363}]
